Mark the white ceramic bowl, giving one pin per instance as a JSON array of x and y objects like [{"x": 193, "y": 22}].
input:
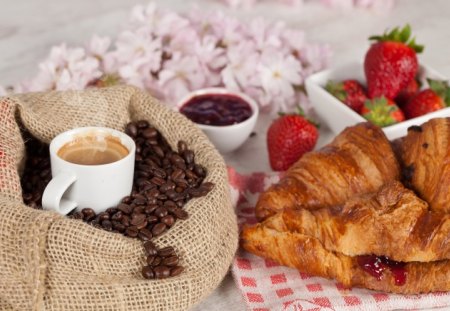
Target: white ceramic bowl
[
  {"x": 229, "y": 137},
  {"x": 338, "y": 116}
]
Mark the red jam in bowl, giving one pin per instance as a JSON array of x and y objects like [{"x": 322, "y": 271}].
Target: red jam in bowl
[{"x": 216, "y": 109}]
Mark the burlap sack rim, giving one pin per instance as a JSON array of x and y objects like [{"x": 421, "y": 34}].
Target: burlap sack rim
[{"x": 52, "y": 218}]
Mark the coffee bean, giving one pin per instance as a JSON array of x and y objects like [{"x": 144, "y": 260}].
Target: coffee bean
[
  {"x": 76, "y": 215},
  {"x": 126, "y": 220},
  {"x": 150, "y": 248},
  {"x": 169, "y": 220},
  {"x": 137, "y": 219},
  {"x": 182, "y": 146},
  {"x": 118, "y": 226},
  {"x": 207, "y": 185},
  {"x": 149, "y": 133},
  {"x": 152, "y": 219},
  {"x": 126, "y": 200},
  {"x": 145, "y": 235},
  {"x": 169, "y": 203},
  {"x": 131, "y": 129},
  {"x": 112, "y": 210},
  {"x": 103, "y": 216},
  {"x": 117, "y": 216},
  {"x": 199, "y": 170},
  {"x": 88, "y": 214},
  {"x": 180, "y": 214},
  {"x": 150, "y": 260},
  {"x": 140, "y": 201},
  {"x": 147, "y": 272},
  {"x": 142, "y": 124},
  {"x": 159, "y": 229},
  {"x": 132, "y": 231},
  {"x": 160, "y": 212},
  {"x": 107, "y": 225},
  {"x": 166, "y": 251},
  {"x": 165, "y": 187},
  {"x": 159, "y": 173},
  {"x": 156, "y": 261},
  {"x": 153, "y": 193},
  {"x": 158, "y": 181},
  {"x": 139, "y": 209},
  {"x": 125, "y": 208},
  {"x": 162, "y": 272},
  {"x": 188, "y": 156},
  {"x": 158, "y": 151},
  {"x": 175, "y": 271},
  {"x": 170, "y": 261},
  {"x": 150, "y": 209}
]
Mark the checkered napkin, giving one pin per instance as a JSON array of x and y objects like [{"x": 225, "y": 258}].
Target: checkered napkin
[{"x": 267, "y": 286}]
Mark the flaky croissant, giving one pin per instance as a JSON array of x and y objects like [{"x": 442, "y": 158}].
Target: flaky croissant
[
  {"x": 391, "y": 222},
  {"x": 307, "y": 254},
  {"x": 425, "y": 153},
  {"x": 359, "y": 160}
]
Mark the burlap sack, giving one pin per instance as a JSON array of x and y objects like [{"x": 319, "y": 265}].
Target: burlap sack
[{"x": 50, "y": 262}]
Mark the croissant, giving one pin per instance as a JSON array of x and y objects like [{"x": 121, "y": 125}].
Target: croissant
[
  {"x": 342, "y": 212},
  {"x": 359, "y": 160},
  {"x": 391, "y": 222},
  {"x": 307, "y": 253},
  {"x": 425, "y": 155}
]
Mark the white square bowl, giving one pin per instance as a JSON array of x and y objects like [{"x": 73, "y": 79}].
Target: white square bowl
[{"x": 338, "y": 116}]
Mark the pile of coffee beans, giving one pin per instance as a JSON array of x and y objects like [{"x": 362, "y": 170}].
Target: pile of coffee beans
[
  {"x": 37, "y": 172},
  {"x": 164, "y": 180}
]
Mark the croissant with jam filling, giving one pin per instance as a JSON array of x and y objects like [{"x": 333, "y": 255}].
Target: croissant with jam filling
[{"x": 357, "y": 239}]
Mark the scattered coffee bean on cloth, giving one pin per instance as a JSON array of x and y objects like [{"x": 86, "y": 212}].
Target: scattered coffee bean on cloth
[{"x": 164, "y": 181}]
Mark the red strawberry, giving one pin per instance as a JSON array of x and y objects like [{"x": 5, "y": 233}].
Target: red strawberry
[
  {"x": 382, "y": 111},
  {"x": 350, "y": 92},
  {"x": 434, "y": 98},
  {"x": 391, "y": 63},
  {"x": 407, "y": 93},
  {"x": 288, "y": 138}
]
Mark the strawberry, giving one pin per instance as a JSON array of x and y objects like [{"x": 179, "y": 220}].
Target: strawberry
[
  {"x": 382, "y": 111},
  {"x": 350, "y": 92},
  {"x": 391, "y": 63},
  {"x": 288, "y": 138},
  {"x": 407, "y": 93},
  {"x": 434, "y": 98}
]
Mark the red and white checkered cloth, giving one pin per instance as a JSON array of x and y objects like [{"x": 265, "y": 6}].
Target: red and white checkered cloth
[{"x": 267, "y": 286}]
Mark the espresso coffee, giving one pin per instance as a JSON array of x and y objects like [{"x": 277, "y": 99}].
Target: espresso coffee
[{"x": 93, "y": 149}]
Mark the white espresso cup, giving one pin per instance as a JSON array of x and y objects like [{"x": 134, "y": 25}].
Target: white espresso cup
[{"x": 91, "y": 167}]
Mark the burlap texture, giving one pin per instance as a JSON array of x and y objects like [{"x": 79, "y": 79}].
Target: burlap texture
[{"x": 50, "y": 262}]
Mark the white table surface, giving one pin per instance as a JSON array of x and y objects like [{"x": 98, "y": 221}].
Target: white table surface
[{"x": 29, "y": 28}]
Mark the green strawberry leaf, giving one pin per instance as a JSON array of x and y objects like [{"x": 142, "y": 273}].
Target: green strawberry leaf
[
  {"x": 400, "y": 35},
  {"x": 441, "y": 88},
  {"x": 336, "y": 89},
  {"x": 379, "y": 112}
]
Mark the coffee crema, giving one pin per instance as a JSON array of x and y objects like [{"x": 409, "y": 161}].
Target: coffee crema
[{"x": 93, "y": 149}]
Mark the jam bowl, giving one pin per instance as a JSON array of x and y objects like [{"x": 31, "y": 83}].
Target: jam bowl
[{"x": 226, "y": 117}]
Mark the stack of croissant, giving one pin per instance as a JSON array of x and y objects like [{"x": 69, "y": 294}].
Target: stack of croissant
[{"x": 364, "y": 211}]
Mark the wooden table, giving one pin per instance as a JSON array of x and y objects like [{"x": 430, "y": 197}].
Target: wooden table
[{"x": 29, "y": 28}]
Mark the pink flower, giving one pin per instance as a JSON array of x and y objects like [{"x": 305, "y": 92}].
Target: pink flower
[
  {"x": 266, "y": 34},
  {"x": 98, "y": 46},
  {"x": 212, "y": 58},
  {"x": 180, "y": 75},
  {"x": 314, "y": 57},
  {"x": 64, "y": 69},
  {"x": 279, "y": 73},
  {"x": 241, "y": 68},
  {"x": 137, "y": 44}
]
